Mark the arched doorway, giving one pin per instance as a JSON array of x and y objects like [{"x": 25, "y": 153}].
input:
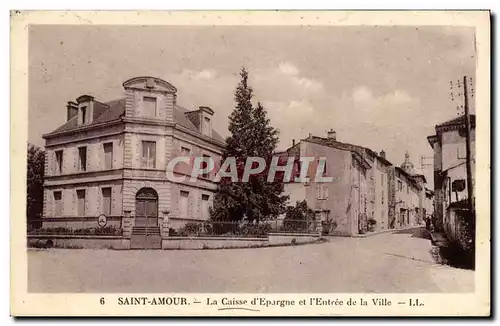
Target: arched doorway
[{"x": 146, "y": 207}]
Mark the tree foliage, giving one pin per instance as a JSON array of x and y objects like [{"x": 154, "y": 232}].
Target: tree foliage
[
  {"x": 36, "y": 164},
  {"x": 298, "y": 217},
  {"x": 300, "y": 211},
  {"x": 251, "y": 135}
]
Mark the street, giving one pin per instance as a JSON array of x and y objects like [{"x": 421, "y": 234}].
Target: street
[{"x": 385, "y": 263}]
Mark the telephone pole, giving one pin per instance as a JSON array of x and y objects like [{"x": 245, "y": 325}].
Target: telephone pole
[{"x": 470, "y": 190}]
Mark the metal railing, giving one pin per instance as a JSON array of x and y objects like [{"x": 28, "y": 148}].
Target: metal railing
[
  {"x": 196, "y": 228},
  {"x": 75, "y": 226}
]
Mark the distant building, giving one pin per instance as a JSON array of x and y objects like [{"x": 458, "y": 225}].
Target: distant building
[
  {"x": 407, "y": 202},
  {"x": 110, "y": 158},
  {"x": 417, "y": 187},
  {"x": 429, "y": 203},
  {"x": 450, "y": 172},
  {"x": 365, "y": 186}
]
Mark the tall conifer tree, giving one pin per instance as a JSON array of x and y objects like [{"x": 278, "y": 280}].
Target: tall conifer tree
[{"x": 251, "y": 135}]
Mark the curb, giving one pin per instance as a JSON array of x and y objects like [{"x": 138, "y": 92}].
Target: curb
[
  {"x": 385, "y": 231},
  {"x": 437, "y": 243},
  {"x": 433, "y": 239}
]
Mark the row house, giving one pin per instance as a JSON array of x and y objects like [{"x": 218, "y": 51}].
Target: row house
[
  {"x": 450, "y": 174},
  {"x": 365, "y": 186},
  {"x": 110, "y": 158}
]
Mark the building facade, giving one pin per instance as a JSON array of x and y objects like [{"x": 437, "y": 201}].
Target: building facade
[
  {"x": 366, "y": 187},
  {"x": 450, "y": 174},
  {"x": 111, "y": 158}
]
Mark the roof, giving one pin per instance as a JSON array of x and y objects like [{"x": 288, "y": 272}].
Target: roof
[
  {"x": 103, "y": 112},
  {"x": 384, "y": 160},
  {"x": 181, "y": 119},
  {"x": 115, "y": 110},
  {"x": 357, "y": 150},
  {"x": 409, "y": 176},
  {"x": 452, "y": 124},
  {"x": 458, "y": 121}
]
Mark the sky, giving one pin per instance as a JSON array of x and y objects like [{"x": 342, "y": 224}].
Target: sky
[{"x": 380, "y": 87}]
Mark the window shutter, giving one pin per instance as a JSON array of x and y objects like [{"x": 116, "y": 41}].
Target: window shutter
[{"x": 152, "y": 154}]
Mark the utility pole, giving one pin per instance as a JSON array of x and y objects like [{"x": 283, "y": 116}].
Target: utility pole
[{"x": 470, "y": 190}]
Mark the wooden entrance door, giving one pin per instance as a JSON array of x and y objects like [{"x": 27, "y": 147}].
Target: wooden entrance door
[{"x": 146, "y": 207}]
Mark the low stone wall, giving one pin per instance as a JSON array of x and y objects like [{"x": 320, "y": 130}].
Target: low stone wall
[
  {"x": 291, "y": 238},
  {"x": 212, "y": 242},
  {"x": 79, "y": 242},
  {"x": 121, "y": 243}
]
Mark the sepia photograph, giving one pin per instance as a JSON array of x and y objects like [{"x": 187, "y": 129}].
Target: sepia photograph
[{"x": 257, "y": 158}]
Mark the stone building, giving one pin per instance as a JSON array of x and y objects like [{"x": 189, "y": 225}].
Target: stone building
[
  {"x": 111, "y": 158},
  {"x": 429, "y": 203},
  {"x": 366, "y": 186},
  {"x": 415, "y": 185},
  {"x": 407, "y": 204},
  {"x": 450, "y": 172}
]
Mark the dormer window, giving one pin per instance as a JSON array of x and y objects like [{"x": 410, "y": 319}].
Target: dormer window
[
  {"x": 85, "y": 106},
  {"x": 83, "y": 112},
  {"x": 207, "y": 127}
]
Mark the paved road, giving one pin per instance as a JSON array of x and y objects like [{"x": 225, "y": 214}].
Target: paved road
[{"x": 385, "y": 263}]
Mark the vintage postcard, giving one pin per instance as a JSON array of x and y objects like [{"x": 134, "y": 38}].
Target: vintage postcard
[{"x": 250, "y": 163}]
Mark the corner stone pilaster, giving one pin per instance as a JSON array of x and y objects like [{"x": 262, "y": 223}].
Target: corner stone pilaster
[
  {"x": 127, "y": 225},
  {"x": 165, "y": 225}
]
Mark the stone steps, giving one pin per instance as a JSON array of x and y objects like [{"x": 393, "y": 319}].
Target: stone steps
[{"x": 145, "y": 237}]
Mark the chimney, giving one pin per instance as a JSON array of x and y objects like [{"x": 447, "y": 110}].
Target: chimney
[
  {"x": 382, "y": 153},
  {"x": 293, "y": 142},
  {"x": 331, "y": 134},
  {"x": 72, "y": 110}
]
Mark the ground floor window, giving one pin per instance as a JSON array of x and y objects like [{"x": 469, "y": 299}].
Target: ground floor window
[
  {"x": 106, "y": 201},
  {"x": 184, "y": 203},
  {"x": 58, "y": 203},
  {"x": 80, "y": 194},
  {"x": 205, "y": 206}
]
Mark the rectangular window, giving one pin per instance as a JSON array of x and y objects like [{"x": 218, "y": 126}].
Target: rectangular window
[
  {"x": 206, "y": 130},
  {"x": 185, "y": 151},
  {"x": 461, "y": 153},
  {"x": 184, "y": 204},
  {"x": 59, "y": 161},
  {"x": 84, "y": 114},
  {"x": 297, "y": 166},
  {"x": 321, "y": 191},
  {"x": 149, "y": 154},
  {"x": 57, "y": 203},
  {"x": 205, "y": 207},
  {"x": 82, "y": 158},
  {"x": 106, "y": 201},
  {"x": 204, "y": 164},
  {"x": 80, "y": 195},
  {"x": 108, "y": 156},
  {"x": 149, "y": 106}
]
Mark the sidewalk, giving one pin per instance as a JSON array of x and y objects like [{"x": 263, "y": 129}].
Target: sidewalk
[
  {"x": 369, "y": 234},
  {"x": 438, "y": 239}
]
